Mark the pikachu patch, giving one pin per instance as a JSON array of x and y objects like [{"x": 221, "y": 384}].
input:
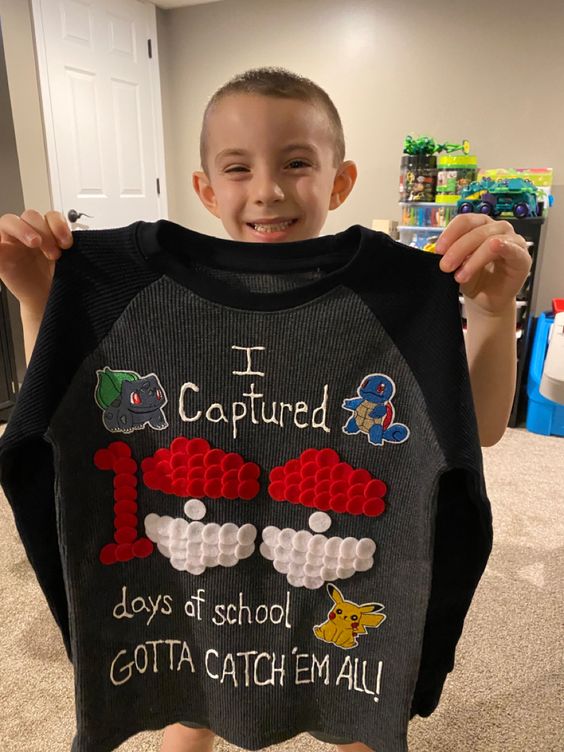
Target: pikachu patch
[{"x": 346, "y": 620}]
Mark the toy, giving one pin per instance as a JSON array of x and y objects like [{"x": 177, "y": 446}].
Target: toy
[
  {"x": 426, "y": 146},
  {"x": 515, "y": 196}
]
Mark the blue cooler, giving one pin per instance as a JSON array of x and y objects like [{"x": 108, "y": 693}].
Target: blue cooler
[{"x": 543, "y": 415}]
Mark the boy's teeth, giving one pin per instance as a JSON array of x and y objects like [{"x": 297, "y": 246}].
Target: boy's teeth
[{"x": 273, "y": 228}]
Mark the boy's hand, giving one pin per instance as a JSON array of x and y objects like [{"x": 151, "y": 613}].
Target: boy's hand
[
  {"x": 491, "y": 260},
  {"x": 29, "y": 247}
]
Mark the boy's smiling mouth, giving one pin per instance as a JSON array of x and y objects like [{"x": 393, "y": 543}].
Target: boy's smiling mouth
[{"x": 272, "y": 228}]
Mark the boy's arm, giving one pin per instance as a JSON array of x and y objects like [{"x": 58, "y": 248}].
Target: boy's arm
[
  {"x": 492, "y": 361},
  {"x": 491, "y": 262}
]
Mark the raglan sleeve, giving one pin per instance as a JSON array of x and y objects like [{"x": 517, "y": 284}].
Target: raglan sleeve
[
  {"x": 93, "y": 281},
  {"x": 419, "y": 307}
]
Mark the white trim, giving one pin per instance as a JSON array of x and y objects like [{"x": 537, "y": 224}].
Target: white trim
[
  {"x": 155, "y": 84},
  {"x": 45, "y": 105}
]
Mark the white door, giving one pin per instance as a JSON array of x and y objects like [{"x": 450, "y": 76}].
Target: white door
[{"x": 100, "y": 89}]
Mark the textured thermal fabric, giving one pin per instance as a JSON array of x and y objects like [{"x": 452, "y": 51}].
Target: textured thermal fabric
[{"x": 249, "y": 481}]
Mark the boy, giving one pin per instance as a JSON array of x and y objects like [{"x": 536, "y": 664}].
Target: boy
[{"x": 272, "y": 157}]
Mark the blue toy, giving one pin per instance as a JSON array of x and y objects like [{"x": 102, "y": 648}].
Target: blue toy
[{"x": 373, "y": 412}]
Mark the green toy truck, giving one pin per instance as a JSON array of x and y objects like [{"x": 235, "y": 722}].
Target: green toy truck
[{"x": 515, "y": 196}]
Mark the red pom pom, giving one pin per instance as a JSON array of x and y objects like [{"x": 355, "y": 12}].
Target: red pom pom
[
  {"x": 143, "y": 548},
  {"x": 355, "y": 505},
  {"x": 292, "y": 466},
  {"x": 152, "y": 480},
  {"x": 308, "y": 483},
  {"x": 180, "y": 486},
  {"x": 231, "y": 461},
  {"x": 124, "y": 552},
  {"x": 125, "y": 465},
  {"x": 309, "y": 469},
  {"x": 323, "y": 473},
  {"x": 339, "y": 503},
  {"x": 341, "y": 471},
  {"x": 125, "y": 492},
  {"x": 180, "y": 472},
  {"x": 248, "y": 489},
  {"x": 292, "y": 493},
  {"x": 213, "y": 471},
  {"x": 327, "y": 458},
  {"x": 309, "y": 455},
  {"x": 125, "y": 520},
  {"x": 197, "y": 472},
  {"x": 213, "y": 457},
  {"x": 108, "y": 553},
  {"x": 338, "y": 486},
  {"x": 163, "y": 468},
  {"x": 195, "y": 460},
  {"x": 125, "y": 535},
  {"x": 148, "y": 464},
  {"x": 198, "y": 446},
  {"x": 162, "y": 455},
  {"x": 125, "y": 479},
  {"x": 276, "y": 490},
  {"x": 249, "y": 471},
  {"x": 356, "y": 490},
  {"x": 119, "y": 449},
  {"x": 307, "y": 498},
  {"x": 125, "y": 507},
  {"x": 323, "y": 501},
  {"x": 373, "y": 507},
  {"x": 212, "y": 488},
  {"x": 179, "y": 460},
  {"x": 322, "y": 486},
  {"x": 230, "y": 489},
  {"x": 276, "y": 474},
  {"x": 179, "y": 445},
  {"x": 360, "y": 476},
  {"x": 293, "y": 479},
  {"x": 195, "y": 487},
  {"x": 104, "y": 459},
  {"x": 376, "y": 487}
]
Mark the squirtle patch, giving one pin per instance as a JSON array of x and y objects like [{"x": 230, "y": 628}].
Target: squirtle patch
[{"x": 373, "y": 412}]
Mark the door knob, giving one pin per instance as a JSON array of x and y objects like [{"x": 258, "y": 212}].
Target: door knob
[{"x": 73, "y": 215}]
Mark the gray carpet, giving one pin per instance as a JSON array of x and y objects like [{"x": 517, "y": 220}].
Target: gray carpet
[{"x": 505, "y": 694}]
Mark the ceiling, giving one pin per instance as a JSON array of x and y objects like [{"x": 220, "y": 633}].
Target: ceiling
[{"x": 181, "y": 3}]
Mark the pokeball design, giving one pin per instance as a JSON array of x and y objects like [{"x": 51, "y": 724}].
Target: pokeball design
[
  {"x": 190, "y": 467},
  {"x": 318, "y": 478},
  {"x": 195, "y": 546},
  {"x": 311, "y": 559}
]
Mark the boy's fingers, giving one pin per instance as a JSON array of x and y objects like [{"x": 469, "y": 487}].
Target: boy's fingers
[
  {"x": 60, "y": 229},
  {"x": 472, "y": 237},
  {"x": 48, "y": 243},
  {"x": 459, "y": 226},
  {"x": 491, "y": 250}
]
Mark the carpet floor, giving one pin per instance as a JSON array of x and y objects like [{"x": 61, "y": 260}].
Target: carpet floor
[{"x": 504, "y": 695}]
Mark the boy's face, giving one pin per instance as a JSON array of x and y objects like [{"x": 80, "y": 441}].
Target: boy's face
[{"x": 267, "y": 180}]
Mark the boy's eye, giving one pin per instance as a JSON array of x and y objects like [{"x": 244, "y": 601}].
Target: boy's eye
[{"x": 299, "y": 162}]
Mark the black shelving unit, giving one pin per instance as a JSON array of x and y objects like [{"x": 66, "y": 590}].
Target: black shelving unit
[{"x": 8, "y": 374}]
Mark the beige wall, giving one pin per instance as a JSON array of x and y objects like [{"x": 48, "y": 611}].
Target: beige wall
[{"x": 488, "y": 71}]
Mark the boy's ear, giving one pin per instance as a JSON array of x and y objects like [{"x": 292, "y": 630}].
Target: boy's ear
[
  {"x": 203, "y": 188},
  {"x": 343, "y": 183}
]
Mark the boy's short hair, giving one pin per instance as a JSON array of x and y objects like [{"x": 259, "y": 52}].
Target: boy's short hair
[{"x": 282, "y": 83}]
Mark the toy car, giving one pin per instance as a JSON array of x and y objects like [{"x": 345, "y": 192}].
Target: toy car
[{"x": 515, "y": 196}]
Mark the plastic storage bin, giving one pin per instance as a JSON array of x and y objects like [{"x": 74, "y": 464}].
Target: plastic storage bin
[{"x": 543, "y": 415}]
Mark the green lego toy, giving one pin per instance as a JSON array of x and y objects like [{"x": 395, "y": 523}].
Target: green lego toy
[{"x": 515, "y": 196}]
